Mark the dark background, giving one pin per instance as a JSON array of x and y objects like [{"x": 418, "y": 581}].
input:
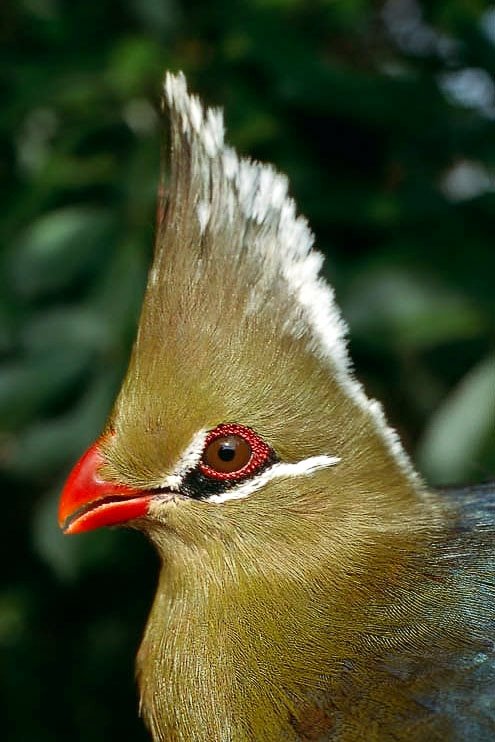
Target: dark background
[{"x": 383, "y": 116}]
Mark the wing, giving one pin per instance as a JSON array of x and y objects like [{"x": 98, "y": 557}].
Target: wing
[{"x": 455, "y": 680}]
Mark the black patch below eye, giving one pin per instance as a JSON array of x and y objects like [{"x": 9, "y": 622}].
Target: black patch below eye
[{"x": 199, "y": 487}]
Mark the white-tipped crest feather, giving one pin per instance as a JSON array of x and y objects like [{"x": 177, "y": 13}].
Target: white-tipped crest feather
[{"x": 254, "y": 198}]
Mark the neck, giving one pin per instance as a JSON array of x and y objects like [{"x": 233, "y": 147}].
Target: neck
[
  {"x": 231, "y": 654},
  {"x": 195, "y": 670},
  {"x": 201, "y": 677}
]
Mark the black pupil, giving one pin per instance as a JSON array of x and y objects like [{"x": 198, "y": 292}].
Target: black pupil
[{"x": 226, "y": 451}]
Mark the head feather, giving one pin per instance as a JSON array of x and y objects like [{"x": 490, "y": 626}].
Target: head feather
[{"x": 235, "y": 273}]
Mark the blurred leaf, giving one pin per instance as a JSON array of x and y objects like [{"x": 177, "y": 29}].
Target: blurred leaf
[
  {"x": 47, "y": 445},
  {"x": 57, "y": 248},
  {"x": 456, "y": 434},
  {"x": 75, "y": 329},
  {"x": 134, "y": 61},
  {"x": 27, "y": 387},
  {"x": 409, "y": 311}
]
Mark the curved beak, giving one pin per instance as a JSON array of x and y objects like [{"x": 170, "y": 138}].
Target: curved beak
[{"x": 89, "y": 502}]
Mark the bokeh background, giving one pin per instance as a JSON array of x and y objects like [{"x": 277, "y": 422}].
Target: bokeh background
[{"x": 382, "y": 114}]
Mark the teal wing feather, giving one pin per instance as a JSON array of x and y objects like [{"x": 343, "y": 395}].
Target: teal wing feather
[{"x": 454, "y": 681}]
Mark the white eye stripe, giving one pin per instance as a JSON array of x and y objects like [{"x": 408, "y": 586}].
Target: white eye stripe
[
  {"x": 187, "y": 462},
  {"x": 192, "y": 456},
  {"x": 279, "y": 470}
]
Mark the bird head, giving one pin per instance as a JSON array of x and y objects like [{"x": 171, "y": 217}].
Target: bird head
[
  {"x": 239, "y": 417},
  {"x": 239, "y": 421},
  {"x": 243, "y": 446},
  {"x": 291, "y": 524}
]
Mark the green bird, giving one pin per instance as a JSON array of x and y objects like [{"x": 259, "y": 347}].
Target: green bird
[{"x": 312, "y": 587}]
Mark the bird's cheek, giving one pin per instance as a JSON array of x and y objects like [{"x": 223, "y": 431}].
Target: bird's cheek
[{"x": 88, "y": 501}]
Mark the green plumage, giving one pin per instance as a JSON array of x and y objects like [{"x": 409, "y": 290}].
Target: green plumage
[{"x": 326, "y": 606}]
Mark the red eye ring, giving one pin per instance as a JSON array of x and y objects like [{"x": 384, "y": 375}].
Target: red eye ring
[{"x": 260, "y": 452}]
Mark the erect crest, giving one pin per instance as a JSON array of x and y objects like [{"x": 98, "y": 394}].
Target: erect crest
[
  {"x": 232, "y": 255},
  {"x": 245, "y": 205}
]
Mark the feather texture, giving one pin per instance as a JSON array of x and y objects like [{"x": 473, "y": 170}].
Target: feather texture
[
  {"x": 348, "y": 604},
  {"x": 231, "y": 253}
]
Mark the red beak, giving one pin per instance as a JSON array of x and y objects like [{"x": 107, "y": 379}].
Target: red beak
[{"x": 88, "y": 501}]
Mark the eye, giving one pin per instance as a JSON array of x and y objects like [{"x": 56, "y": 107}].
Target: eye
[
  {"x": 233, "y": 451},
  {"x": 227, "y": 454}
]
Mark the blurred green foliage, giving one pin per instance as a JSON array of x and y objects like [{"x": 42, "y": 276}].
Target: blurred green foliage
[{"x": 382, "y": 114}]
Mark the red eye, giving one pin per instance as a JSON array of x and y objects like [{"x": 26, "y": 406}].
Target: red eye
[{"x": 233, "y": 452}]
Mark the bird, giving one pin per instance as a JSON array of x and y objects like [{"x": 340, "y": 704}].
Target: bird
[{"x": 312, "y": 586}]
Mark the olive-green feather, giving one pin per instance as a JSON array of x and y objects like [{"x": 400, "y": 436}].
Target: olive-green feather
[{"x": 306, "y": 610}]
